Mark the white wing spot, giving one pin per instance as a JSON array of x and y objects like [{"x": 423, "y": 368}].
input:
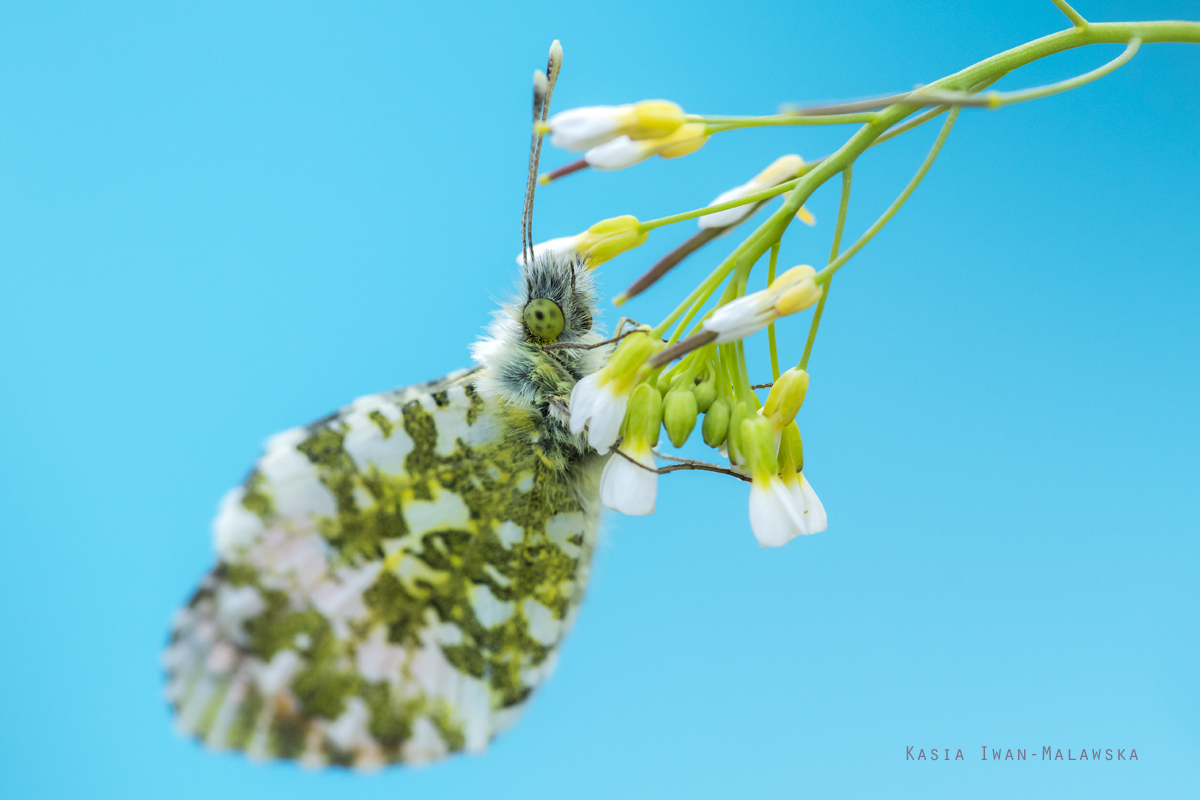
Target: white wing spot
[
  {"x": 365, "y": 442},
  {"x": 446, "y": 511},
  {"x": 542, "y": 624},
  {"x": 274, "y": 676},
  {"x": 425, "y": 745},
  {"x": 561, "y": 527},
  {"x": 378, "y": 659},
  {"x": 235, "y": 605},
  {"x": 489, "y": 610},
  {"x": 510, "y": 533},
  {"x": 349, "y": 731},
  {"x": 236, "y": 527},
  {"x": 294, "y": 484}
]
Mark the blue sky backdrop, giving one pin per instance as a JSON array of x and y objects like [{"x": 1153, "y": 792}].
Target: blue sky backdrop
[{"x": 219, "y": 220}]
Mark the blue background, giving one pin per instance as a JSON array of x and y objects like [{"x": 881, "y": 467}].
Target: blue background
[{"x": 219, "y": 220}]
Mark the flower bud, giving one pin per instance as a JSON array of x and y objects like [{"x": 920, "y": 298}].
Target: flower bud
[
  {"x": 644, "y": 415},
  {"x": 608, "y": 238},
  {"x": 580, "y": 129},
  {"x": 741, "y": 412},
  {"x": 653, "y": 119},
  {"x": 796, "y": 299},
  {"x": 705, "y": 391},
  {"x": 786, "y": 397},
  {"x": 679, "y": 415},
  {"x": 631, "y": 354},
  {"x": 794, "y": 290},
  {"x": 685, "y": 140},
  {"x": 758, "y": 447},
  {"x": 716, "y": 423},
  {"x": 791, "y": 453},
  {"x": 781, "y": 170}
]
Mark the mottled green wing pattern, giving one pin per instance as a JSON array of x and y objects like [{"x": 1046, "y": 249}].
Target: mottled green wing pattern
[{"x": 393, "y": 582}]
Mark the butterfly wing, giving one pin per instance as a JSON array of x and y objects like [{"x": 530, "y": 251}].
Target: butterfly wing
[{"x": 393, "y": 583}]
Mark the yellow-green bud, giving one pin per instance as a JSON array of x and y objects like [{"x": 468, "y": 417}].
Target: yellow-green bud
[
  {"x": 741, "y": 412},
  {"x": 653, "y": 119},
  {"x": 705, "y": 391},
  {"x": 786, "y": 397},
  {"x": 716, "y": 423},
  {"x": 791, "y": 450},
  {"x": 686, "y": 139},
  {"x": 679, "y": 415},
  {"x": 608, "y": 238},
  {"x": 758, "y": 444},
  {"x": 631, "y": 353},
  {"x": 643, "y": 415}
]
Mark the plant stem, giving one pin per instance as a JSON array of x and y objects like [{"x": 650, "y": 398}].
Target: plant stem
[
  {"x": 847, "y": 175},
  {"x": 722, "y": 124},
  {"x": 1076, "y": 19},
  {"x": 824, "y": 275},
  {"x": 1001, "y": 99},
  {"x": 771, "y": 327},
  {"x": 772, "y": 229},
  {"x": 765, "y": 194}
]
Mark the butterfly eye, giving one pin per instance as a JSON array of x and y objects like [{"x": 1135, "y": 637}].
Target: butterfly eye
[{"x": 544, "y": 319}]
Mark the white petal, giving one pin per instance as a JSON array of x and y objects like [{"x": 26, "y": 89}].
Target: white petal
[
  {"x": 773, "y": 517},
  {"x": 729, "y": 215},
  {"x": 584, "y": 128},
  {"x": 627, "y": 487},
  {"x": 620, "y": 153},
  {"x": 583, "y": 400},
  {"x": 605, "y": 422},
  {"x": 811, "y": 509},
  {"x": 559, "y": 246},
  {"x": 740, "y": 318}
]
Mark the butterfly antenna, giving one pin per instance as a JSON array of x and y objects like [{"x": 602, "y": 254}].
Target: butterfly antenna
[{"x": 543, "y": 89}]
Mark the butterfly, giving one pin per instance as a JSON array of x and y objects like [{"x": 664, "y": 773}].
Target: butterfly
[{"x": 394, "y": 580}]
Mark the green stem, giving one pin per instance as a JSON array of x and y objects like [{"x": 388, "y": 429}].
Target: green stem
[
  {"x": 824, "y": 275},
  {"x": 1001, "y": 99},
  {"x": 847, "y": 175},
  {"x": 722, "y": 124},
  {"x": 765, "y": 194},
  {"x": 743, "y": 373},
  {"x": 699, "y": 304},
  {"x": 1076, "y": 18},
  {"x": 771, "y": 327},
  {"x": 771, "y": 230}
]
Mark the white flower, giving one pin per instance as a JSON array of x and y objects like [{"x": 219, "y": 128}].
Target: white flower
[
  {"x": 624, "y": 152},
  {"x": 774, "y": 517},
  {"x": 793, "y": 291},
  {"x": 781, "y": 170},
  {"x": 809, "y": 505},
  {"x": 605, "y": 240},
  {"x": 780, "y": 508},
  {"x": 601, "y": 407},
  {"x": 619, "y": 153},
  {"x": 563, "y": 245},
  {"x": 629, "y": 487},
  {"x": 580, "y": 129},
  {"x": 600, "y": 400}
]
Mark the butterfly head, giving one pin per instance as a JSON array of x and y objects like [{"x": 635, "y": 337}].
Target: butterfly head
[{"x": 557, "y": 300}]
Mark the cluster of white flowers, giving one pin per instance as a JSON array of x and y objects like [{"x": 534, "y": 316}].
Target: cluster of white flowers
[{"x": 622, "y": 406}]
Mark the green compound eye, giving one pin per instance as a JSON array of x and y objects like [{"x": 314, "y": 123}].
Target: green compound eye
[{"x": 544, "y": 319}]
